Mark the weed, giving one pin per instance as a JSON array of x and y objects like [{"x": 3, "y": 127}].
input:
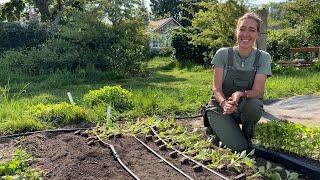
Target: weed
[{"x": 18, "y": 167}]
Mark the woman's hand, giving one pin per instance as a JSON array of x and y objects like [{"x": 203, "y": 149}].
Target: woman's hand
[
  {"x": 235, "y": 97},
  {"x": 229, "y": 107}
]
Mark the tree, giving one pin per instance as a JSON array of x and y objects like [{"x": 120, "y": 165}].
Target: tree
[
  {"x": 11, "y": 11},
  {"x": 181, "y": 10},
  {"x": 50, "y": 10},
  {"x": 292, "y": 13},
  {"x": 165, "y": 8},
  {"x": 215, "y": 23}
]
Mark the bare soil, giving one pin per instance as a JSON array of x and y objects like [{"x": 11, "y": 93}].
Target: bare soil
[{"x": 68, "y": 156}]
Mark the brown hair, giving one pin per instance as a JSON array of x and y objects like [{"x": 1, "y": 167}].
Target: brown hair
[{"x": 252, "y": 16}]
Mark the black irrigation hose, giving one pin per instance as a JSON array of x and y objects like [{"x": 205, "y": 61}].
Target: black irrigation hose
[
  {"x": 44, "y": 131},
  {"x": 181, "y": 153},
  {"x": 187, "y": 117},
  {"x": 117, "y": 157},
  {"x": 289, "y": 162},
  {"x": 115, "y": 154},
  {"x": 159, "y": 156}
]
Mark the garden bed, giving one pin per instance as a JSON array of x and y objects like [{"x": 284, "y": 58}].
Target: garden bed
[{"x": 71, "y": 156}]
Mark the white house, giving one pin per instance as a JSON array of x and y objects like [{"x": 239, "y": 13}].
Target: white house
[{"x": 161, "y": 33}]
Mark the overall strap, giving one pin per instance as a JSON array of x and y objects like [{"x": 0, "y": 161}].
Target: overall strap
[
  {"x": 256, "y": 61},
  {"x": 230, "y": 58}
]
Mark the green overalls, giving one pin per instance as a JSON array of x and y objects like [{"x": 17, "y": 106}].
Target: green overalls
[{"x": 249, "y": 111}]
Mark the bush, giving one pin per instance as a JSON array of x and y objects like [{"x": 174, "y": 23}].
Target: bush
[
  {"x": 60, "y": 114},
  {"x": 54, "y": 55},
  {"x": 13, "y": 35},
  {"x": 117, "y": 97},
  {"x": 316, "y": 65},
  {"x": 279, "y": 42},
  {"x": 187, "y": 52}
]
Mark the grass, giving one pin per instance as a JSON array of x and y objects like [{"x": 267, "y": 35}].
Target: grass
[{"x": 166, "y": 89}]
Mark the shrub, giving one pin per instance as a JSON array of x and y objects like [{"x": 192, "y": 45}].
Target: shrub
[
  {"x": 55, "y": 54},
  {"x": 185, "y": 51},
  {"x": 13, "y": 35},
  {"x": 279, "y": 42},
  {"x": 60, "y": 114},
  {"x": 117, "y": 97},
  {"x": 316, "y": 65}
]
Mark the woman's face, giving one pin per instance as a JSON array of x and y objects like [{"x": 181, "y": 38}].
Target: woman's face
[{"x": 247, "y": 33}]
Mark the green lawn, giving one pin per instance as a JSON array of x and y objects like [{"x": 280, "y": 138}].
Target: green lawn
[{"x": 165, "y": 89}]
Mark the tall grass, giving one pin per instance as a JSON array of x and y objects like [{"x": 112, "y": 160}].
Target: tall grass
[
  {"x": 14, "y": 116},
  {"x": 166, "y": 89}
]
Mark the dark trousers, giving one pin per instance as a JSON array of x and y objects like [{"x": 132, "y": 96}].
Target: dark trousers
[{"x": 226, "y": 127}]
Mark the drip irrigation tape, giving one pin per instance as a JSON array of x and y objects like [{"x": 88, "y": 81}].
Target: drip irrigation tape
[
  {"x": 114, "y": 152},
  {"x": 117, "y": 157},
  {"x": 289, "y": 162},
  {"x": 187, "y": 117},
  {"x": 198, "y": 163},
  {"x": 44, "y": 131},
  {"x": 159, "y": 156}
]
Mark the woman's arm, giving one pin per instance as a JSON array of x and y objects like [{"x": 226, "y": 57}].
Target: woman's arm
[
  {"x": 258, "y": 87},
  {"x": 217, "y": 84},
  {"x": 257, "y": 90},
  {"x": 227, "y": 106}
]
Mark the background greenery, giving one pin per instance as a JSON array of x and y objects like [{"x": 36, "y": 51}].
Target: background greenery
[{"x": 80, "y": 46}]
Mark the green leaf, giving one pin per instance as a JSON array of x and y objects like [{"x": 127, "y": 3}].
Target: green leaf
[
  {"x": 293, "y": 176},
  {"x": 268, "y": 166},
  {"x": 262, "y": 169},
  {"x": 275, "y": 176},
  {"x": 251, "y": 153},
  {"x": 243, "y": 154},
  {"x": 278, "y": 169}
]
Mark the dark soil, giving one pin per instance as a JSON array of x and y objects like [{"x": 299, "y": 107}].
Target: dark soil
[
  {"x": 143, "y": 163},
  {"x": 68, "y": 156}
]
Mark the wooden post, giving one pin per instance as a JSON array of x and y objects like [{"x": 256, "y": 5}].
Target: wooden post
[{"x": 262, "y": 40}]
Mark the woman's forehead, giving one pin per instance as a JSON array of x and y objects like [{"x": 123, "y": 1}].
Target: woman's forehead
[{"x": 248, "y": 23}]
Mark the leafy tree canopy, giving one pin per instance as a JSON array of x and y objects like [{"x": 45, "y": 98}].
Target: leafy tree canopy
[
  {"x": 181, "y": 10},
  {"x": 215, "y": 24}
]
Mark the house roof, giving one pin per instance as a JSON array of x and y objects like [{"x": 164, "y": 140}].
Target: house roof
[{"x": 155, "y": 25}]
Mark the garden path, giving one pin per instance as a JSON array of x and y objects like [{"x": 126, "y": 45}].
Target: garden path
[{"x": 297, "y": 109}]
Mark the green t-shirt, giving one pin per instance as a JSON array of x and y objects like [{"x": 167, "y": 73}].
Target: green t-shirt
[{"x": 220, "y": 59}]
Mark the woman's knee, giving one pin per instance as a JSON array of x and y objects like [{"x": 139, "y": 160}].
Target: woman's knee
[{"x": 252, "y": 109}]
